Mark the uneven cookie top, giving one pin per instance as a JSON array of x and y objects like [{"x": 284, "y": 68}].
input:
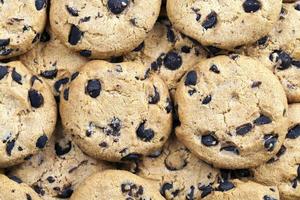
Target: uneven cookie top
[
  {"x": 225, "y": 24},
  {"x": 13, "y": 189},
  {"x": 21, "y": 25},
  {"x": 280, "y": 50},
  {"x": 116, "y": 185},
  {"x": 168, "y": 53},
  {"x": 232, "y": 112},
  {"x": 28, "y": 113},
  {"x": 57, "y": 170},
  {"x": 283, "y": 169},
  {"x": 116, "y": 112},
  {"x": 178, "y": 173},
  {"x": 103, "y": 28},
  {"x": 53, "y": 61},
  {"x": 238, "y": 190}
]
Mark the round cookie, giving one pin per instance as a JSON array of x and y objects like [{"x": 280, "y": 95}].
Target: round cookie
[
  {"x": 57, "y": 171},
  {"x": 115, "y": 185},
  {"x": 238, "y": 190},
  {"x": 14, "y": 189},
  {"x": 116, "y": 112},
  {"x": 22, "y": 23},
  {"x": 168, "y": 53},
  {"x": 232, "y": 112},
  {"x": 178, "y": 173},
  {"x": 225, "y": 24},
  {"x": 53, "y": 61},
  {"x": 101, "y": 29},
  {"x": 283, "y": 169},
  {"x": 28, "y": 113},
  {"x": 280, "y": 50}
]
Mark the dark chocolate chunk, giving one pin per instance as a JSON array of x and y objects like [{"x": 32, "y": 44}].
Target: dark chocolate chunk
[
  {"x": 210, "y": 20},
  {"x": 42, "y": 141}
]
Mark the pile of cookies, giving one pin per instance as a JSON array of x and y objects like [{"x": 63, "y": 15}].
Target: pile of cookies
[{"x": 149, "y": 100}]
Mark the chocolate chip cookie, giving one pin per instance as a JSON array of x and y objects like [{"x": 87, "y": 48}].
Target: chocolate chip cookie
[
  {"x": 14, "y": 190},
  {"x": 232, "y": 112},
  {"x": 168, "y": 53},
  {"x": 280, "y": 50},
  {"x": 58, "y": 169},
  {"x": 116, "y": 185},
  {"x": 116, "y": 112},
  {"x": 225, "y": 24},
  {"x": 103, "y": 28},
  {"x": 53, "y": 61},
  {"x": 22, "y": 23},
  {"x": 283, "y": 169},
  {"x": 28, "y": 113}
]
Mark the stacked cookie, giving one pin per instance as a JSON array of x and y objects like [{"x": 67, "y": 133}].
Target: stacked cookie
[{"x": 137, "y": 99}]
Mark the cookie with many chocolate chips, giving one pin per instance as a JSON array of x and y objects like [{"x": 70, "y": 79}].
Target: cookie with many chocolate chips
[
  {"x": 116, "y": 185},
  {"x": 168, "y": 53},
  {"x": 283, "y": 169},
  {"x": 57, "y": 171},
  {"x": 14, "y": 189},
  {"x": 103, "y": 28},
  {"x": 232, "y": 112},
  {"x": 225, "y": 24},
  {"x": 116, "y": 112},
  {"x": 22, "y": 23},
  {"x": 28, "y": 113},
  {"x": 178, "y": 173},
  {"x": 53, "y": 61},
  {"x": 237, "y": 190},
  {"x": 280, "y": 50}
]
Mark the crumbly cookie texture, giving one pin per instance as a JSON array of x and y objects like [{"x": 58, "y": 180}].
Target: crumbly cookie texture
[
  {"x": 225, "y": 24},
  {"x": 53, "y": 61},
  {"x": 116, "y": 112},
  {"x": 14, "y": 189},
  {"x": 283, "y": 169},
  {"x": 231, "y": 115},
  {"x": 279, "y": 50},
  {"x": 168, "y": 53},
  {"x": 57, "y": 170},
  {"x": 103, "y": 28},
  {"x": 116, "y": 185},
  {"x": 249, "y": 190},
  {"x": 178, "y": 174},
  {"x": 22, "y": 23},
  {"x": 28, "y": 113}
]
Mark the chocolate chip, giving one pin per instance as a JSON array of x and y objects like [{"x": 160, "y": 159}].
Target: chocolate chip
[
  {"x": 74, "y": 35},
  {"x": 117, "y": 6},
  {"x": 114, "y": 127},
  {"x": 186, "y": 49},
  {"x": 58, "y": 84},
  {"x": 214, "y": 69},
  {"x": 5, "y": 52},
  {"x": 9, "y": 147},
  {"x": 16, "y": 76},
  {"x": 4, "y": 42},
  {"x": 231, "y": 148},
  {"x": 72, "y": 11},
  {"x": 36, "y": 38},
  {"x": 190, "y": 195},
  {"x": 66, "y": 94},
  {"x": 59, "y": 150},
  {"x": 266, "y": 197},
  {"x": 86, "y": 53},
  {"x": 65, "y": 193},
  {"x": 294, "y": 132},
  {"x": 50, "y": 179},
  {"x": 103, "y": 144},
  {"x": 210, "y": 20},
  {"x": 15, "y": 179},
  {"x": 244, "y": 129},
  {"x": 140, "y": 47},
  {"x": 263, "y": 40},
  {"x": 3, "y": 72},
  {"x": 294, "y": 183},
  {"x": 74, "y": 75},
  {"x": 36, "y": 98},
  {"x": 207, "y": 100},
  {"x": 132, "y": 157},
  {"x": 164, "y": 188},
  {"x": 282, "y": 58},
  {"x": 296, "y": 63},
  {"x": 40, "y": 4},
  {"x": 154, "y": 99},
  {"x": 172, "y": 61},
  {"x": 225, "y": 186},
  {"x": 170, "y": 35},
  {"x": 270, "y": 141},
  {"x": 145, "y": 135},
  {"x": 191, "y": 78},
  {"x": 209, "y": 140},
  {"x": 297, "y": 6},
  {"x": 49, "y": 74},
  {"x": 206, "y": 190},
  {"x": 28, "y": 197},
  {"x": 281, "y": 151},
  {"x": 42, "y": 141},
  {"x": 262, "y": 120},
  {"x": 93, "y": 88},
  {"x": 256, "y": 84},
  {"x": 39, "y": 190},
  {"x": 251, "y": 6}
]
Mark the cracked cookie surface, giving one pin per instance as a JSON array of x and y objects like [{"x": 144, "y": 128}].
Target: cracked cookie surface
[
  {"x": 22, "y": 23},
  {"x": 103, "y": 28},
  {"x": 232, "y": 112},
  {"x": 25, "y": 100},
  {"x": 116, "y": 185},
  {"x": 225, "y": 24},
  {"x": 116, "y": 112}
]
